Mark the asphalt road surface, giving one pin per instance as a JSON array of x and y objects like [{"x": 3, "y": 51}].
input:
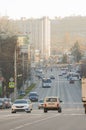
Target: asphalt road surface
[{"x": 72, "y": 119}]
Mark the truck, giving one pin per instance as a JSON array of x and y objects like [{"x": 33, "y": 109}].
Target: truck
[{"x": 83, "y": 89}]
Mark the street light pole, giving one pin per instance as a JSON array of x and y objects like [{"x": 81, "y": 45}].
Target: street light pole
[
  {"x": 15, "y": 73},
  {"x": 23, "y": 69}
]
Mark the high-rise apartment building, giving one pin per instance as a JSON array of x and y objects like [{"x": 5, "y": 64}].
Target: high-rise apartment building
[
  {"x": 39, "y": 36},
  {"x": 46, "y": 37},
  {"x": 38, "y": 32}
]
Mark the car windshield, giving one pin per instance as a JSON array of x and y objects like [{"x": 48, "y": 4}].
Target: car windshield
[
  {"x": 32, "y": 94},
  {"x": 46, "y": 80},
  {"x": 41, "y": 101},
  {"x": 20, "y": 101}
]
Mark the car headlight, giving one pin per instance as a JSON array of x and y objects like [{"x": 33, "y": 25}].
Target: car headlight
[
  {"x": 13, "y": 106},
  {"x": 26, "y": 105}
]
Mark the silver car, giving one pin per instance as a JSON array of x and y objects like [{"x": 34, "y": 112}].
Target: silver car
[
  {"x": 40, "y": 103},
  {"x": 2, "y": 104},
  {"x": 21, "y": 105}
]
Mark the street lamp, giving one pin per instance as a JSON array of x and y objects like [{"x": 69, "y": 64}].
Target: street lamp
[{"x": 15, "y": 72}]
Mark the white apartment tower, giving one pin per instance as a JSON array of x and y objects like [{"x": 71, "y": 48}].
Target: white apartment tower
[
  {"x": 45, "y": 43},
  {"x": 40, "y": 36}
]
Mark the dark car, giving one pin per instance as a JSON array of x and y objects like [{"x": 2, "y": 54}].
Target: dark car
[
  {"x": 71, "y": 81},
  {"x": 52, "y": 77},
  {"x": 22, "y": 93},
  {"x": 33, "y": 96}
]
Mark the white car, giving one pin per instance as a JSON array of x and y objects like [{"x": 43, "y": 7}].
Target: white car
[
  {"x": 75, "y": 78},
  {"x": 21, "y": 105}
]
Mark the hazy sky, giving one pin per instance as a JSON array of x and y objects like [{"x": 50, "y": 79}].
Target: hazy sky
[{"x": 39, "y": 8}]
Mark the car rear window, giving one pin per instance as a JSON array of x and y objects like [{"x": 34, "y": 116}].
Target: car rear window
[{"x": 51, "y": 100}]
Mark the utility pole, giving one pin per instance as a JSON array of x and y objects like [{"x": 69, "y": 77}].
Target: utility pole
[
  {"x": 15, "y": 72},
  {"x": 23, "y": 69}
]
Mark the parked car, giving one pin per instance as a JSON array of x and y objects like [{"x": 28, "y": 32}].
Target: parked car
[
  {"x": 22, "y": 105},
  {"x": 2, "y": 104},
  {"x": 10, "y": 102},
  {"x": 40, "y": 103},
  {"x": 52, "y": 103},
  {"x": 33, "y": 96},
  {"x": 22, "y": 93},
  {"x": 7, "y": 102}
]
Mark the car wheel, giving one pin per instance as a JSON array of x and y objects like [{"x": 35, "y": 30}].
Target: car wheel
[
  {"x": 59, "y": 110},
  {"x": 28, "y": 111},
  {"x": 45, "y": 110},
  {"x": 13, "y": 111},
  {"x": 85, "y": 111}
]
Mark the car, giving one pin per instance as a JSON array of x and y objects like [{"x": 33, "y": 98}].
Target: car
[
  {"x": 2, "y": 104},
  {"x": 33, "y": 96},
  {"x": 10, "y": 102},
  {"x": 71, "y": 81},
  {"x": 22, "y": 105},
  {"x": 75, "y": 78},
  {"x": 52, "y": 77},
  {"x": 22, "y": 93},
  {"x": 7, "y": 102},
  {"x": 52, "y": 103},
  {"x": 40, "y": 103},
  {"x": 60, "y": 74}
]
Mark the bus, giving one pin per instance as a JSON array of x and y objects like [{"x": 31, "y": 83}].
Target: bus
[{"x": 46, "y": 83}]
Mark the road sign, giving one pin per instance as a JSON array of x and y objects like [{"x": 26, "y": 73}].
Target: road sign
[
  {"x": 11, "y": 79},
  {"x": 11, "y": 85}
]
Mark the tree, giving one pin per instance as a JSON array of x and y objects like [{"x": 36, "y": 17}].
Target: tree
[
  {"x": 75, "y": 51},
  {"x": 64, "y": 58}
]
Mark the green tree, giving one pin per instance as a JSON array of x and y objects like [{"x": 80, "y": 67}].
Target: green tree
[
  {"x": 75, "y": 51},
  {"x": 64, "y": 58}
]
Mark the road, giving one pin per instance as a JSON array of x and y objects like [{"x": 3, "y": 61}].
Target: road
[
  {"x": 71, "y": 118},
  {"x": 37, "y": 120},
  {"x": 70, "y": 94}
]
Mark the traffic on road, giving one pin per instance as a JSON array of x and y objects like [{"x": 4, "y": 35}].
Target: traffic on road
[{"x": 57, "y": 106}]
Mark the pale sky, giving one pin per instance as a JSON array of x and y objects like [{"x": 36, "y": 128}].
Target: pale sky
[{"x": 38, "y": 8}]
